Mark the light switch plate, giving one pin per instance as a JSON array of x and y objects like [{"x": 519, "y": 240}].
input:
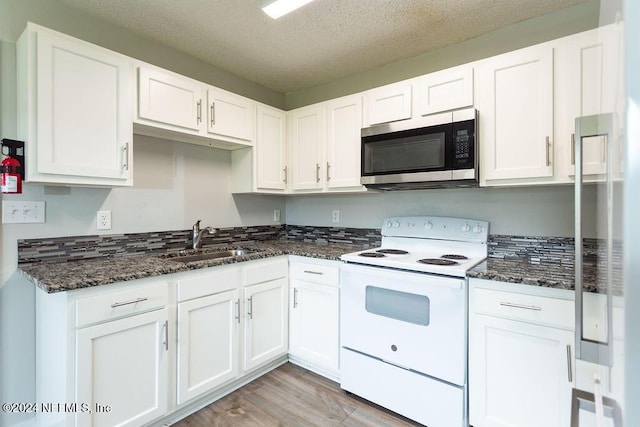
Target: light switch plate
[{"x": 22, "y": 212}]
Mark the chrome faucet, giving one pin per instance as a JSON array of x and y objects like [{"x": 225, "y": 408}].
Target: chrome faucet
[{"x": 198, "y": 233}]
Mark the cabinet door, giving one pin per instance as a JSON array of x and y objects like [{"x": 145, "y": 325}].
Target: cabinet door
[
  {"x": 307, "y": 143},
  {"x": 591, "y": 89},
  {"x": 388, "y": 104},
  {"x": 519, "y": 374},
  {"x": 266, "y": 325},
  {"x": 230, "y": 115},
  {"x": 84, "y": 110},
  {"x": 444, "y": 90},
  {"x": 207, "y": 343},
  {"x": 314, "y": 324},
  {"x": 123, "y": 364},
  {"x": 344, "y": 122},
  {"x": 171, "y": 100},
  {"x": 516, "y": 114},
  {"x": 270, "y": 148}
]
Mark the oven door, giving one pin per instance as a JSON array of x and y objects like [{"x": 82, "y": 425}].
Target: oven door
[{"x": 415, "y": 321}]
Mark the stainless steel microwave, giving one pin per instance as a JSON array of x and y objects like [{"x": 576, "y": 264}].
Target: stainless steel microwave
[{"x": 435, "y": 151}]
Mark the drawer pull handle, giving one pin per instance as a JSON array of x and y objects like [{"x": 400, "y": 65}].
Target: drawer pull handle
[
  {"x": 319, "y": 273},
  {"x": 526, "y": 307},
  {"x": 133, "y": 301}
]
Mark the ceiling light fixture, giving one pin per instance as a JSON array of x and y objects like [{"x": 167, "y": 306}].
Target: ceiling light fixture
[{"x": 276, "y": 9}]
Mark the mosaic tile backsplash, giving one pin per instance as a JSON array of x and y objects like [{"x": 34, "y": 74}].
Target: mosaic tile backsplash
[{"x": 536, "y": 249}]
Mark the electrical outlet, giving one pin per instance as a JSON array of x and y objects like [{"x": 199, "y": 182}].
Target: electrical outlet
[
  {"x": 103, "y": 220},
  {"x": 276, "y": 215},
  {"x": 335, "y": 216}
]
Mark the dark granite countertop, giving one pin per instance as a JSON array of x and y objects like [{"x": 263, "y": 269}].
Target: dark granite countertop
[
  {"x": 543, "y": 274},
  {"x": 65, "y": 276}
]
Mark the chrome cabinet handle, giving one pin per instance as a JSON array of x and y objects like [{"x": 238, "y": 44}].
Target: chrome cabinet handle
[
  {"x": 523, "y": 306},
  {"x": 548, "y": 145},
  {"x": 125, "y": 155},
  {"x": 603, "y": 149},
  {"x": 317, "y": 172},
  {"x": 569, "y": 368},
  {"x": 319, "y": 273},
  {"x": 199, "y": 112},
  {"x": 328, "y": 168},
  {"x": 133, "y": 301},
  {"x": 250, "y": 308},
  {"x": 166, "y": 335},
  {"x": 213, "y": 114},
  {"x": 238, "y": 310},
  {"x": 573, "y": 148},
  {"x": 295, "y": 297},
  {"x": 285, "y": 174}
]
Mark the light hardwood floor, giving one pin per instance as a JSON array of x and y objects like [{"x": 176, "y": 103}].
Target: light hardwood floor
[{"x": 293, "y": 396}]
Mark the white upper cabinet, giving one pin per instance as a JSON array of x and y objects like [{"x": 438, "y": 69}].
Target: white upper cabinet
[
  {"x": 307, "y": 135},
  {"x": 169, "y": 99},
  {"x": 515, "y": 102},
  {"x": 324, "y": 144},
  {"x": 592, "y": 88},
  {"x": 230, "y": 115},
  {"x": 263, "y": 167},
  {"x": 75, "y": 103},
  {"x": 387, "y": 104},
  {"x": 444, "y": 90},
  {"x": 179, "y": 108},
  {"x": 270, "y": 149},
  {"x": 344, "y": 122}
]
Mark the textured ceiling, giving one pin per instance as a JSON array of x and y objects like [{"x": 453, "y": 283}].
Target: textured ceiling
[{"x": 323, "y": 41}]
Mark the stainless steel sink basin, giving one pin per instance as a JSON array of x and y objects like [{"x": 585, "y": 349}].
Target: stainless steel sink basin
[{"x": 212, "y": 255}]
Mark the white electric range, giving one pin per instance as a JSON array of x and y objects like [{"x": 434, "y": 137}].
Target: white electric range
[{"x": 403, "y": 317}]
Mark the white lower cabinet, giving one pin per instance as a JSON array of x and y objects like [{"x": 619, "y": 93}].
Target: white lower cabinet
[
  {"x": 314, "y": 315},
  {"x": 208, "y": 319},
  {"x": 521, "y": 366},
  {"x": 266, "y": 312},
  {"x": 122, "y": 370}
]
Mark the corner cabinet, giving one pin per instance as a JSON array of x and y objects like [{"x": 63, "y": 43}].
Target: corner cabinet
[
  {"x": 263, "y": 167},
  {"x": 521, "y": 367},
  {"x": 75, "y": 109},
  {"x": 324, "y": 143},
  {"x": 515, "y": 103}
]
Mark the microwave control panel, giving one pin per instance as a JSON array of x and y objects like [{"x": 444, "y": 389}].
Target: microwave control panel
[{"x": 464, "y": 144}]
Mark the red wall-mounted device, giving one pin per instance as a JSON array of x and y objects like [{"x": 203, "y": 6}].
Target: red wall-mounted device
[{"x": 12, "y": 166}]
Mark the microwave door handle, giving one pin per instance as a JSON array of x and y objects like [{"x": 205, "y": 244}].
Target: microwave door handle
[{"x": 586, "y": 349}]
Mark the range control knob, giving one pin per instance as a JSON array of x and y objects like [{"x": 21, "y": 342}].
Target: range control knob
[
  {"x": 466, "y": 227},
  {"x": 396, "y": 224},
  {"x": 428, "y": 225},
  {"x": 388, "y": 224},
  {"x": 477, "y": 229}
]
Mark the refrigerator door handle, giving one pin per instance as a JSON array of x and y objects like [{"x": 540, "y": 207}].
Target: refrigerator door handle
[{"x": 587, "y": 349}]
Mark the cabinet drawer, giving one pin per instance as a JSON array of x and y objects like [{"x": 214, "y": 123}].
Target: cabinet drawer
[
  {"x": 316, "y": 273},
  {"x": 529, "y": 308},
  {"x": 197, "y": 285},
  {"x": 265, "y": 271},
  {"x": 120, "y": 304}
]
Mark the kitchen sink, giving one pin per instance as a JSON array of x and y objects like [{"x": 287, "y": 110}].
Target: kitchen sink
[{"x": 232, "y": 253}]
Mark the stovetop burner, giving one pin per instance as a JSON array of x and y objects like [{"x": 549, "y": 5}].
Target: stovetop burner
[
  {"x": 372, "y": 255},
  {"x": 454, "y": 256},
  {"x": 393, "y": 251},
  {"x": 437, "y": 261}
]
